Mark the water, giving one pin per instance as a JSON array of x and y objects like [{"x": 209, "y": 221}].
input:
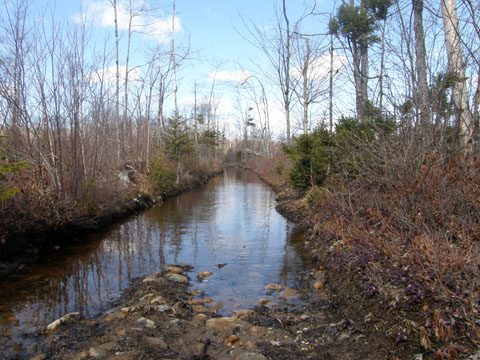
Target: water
[{"x": 232, "y": 220}]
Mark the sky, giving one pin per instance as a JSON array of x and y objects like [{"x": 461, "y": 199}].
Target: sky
[{"x": 215, "y": 30}]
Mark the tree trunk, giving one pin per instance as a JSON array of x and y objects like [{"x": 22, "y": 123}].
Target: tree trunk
[
  {"x": 421, "y": 98},
  {"x": 287, "y": 73},
  {"x": 456, "y": 65}
]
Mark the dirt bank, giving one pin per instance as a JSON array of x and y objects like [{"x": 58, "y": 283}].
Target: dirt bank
[
  {"x": 159, "y": 317},
  {"x": 23, "y": 244}
]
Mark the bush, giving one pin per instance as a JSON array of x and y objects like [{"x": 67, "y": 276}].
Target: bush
[{"x": 311, "y": 155}]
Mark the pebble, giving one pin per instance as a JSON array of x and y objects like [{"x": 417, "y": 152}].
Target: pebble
[
  {"x": 289, "y": 293},
  {"x": 146, "y": 322},
  {"x": 304, "y": 317},
  {"x": 243, "y": 313},
  {"x": 232, "y": 339},
  {"x": 152, "y": 278},
  {"x": 203, "y": 275},
  {"x": 177, "y": 278},
  {"x": 199, "y": 309},
  {"x": 174, "y": 269},
  {"x": 195, "y": 302},
  {"x": 343, "y": 336},
  {"x": 162, "y": 308},
  {"x": 264, "y": 302},
  {"x": 96, "y": 353},
  {"x": 200, "y": 317},
  {"x": 274, "y": 287},
  {"x": 318, "y": 285},
  {"x": 68, "y": 317},
  {"x": 158, "y": 342},
  {"x": 157, "y": 300},
  {"x": 226, "y": 324},
  {"x": 114, "y": 316},
  {"x": 250, "y": 356},
  {"x": 39, "y": 357},
  {"x": 81, "y": 355}
]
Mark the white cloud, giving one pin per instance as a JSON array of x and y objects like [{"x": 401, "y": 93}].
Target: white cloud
[
  {"x": 108, "y": 75},
  {"x": 319, "y": 70},
  {"x": 237, "y": 76},
  {"x": 101, "y": 13}
]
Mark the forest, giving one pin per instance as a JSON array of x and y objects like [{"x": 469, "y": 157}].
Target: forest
[{"x": 378, "y": 104}]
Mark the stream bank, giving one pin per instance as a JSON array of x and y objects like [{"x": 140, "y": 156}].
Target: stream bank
[
  {"x": 165, "y": 315},
  {"x": 25, "y": 244}
]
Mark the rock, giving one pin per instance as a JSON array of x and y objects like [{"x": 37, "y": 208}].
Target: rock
[
  {"x": 274, "y": 287},
  {"x": 97, "y": 353},
  {"x": 275, "y": 343},
  {"x": 250, "y": 356},
  {"x": 318, "y": 285},
  {"x": 67, "y": 318},
  {"x": 39, "y": 357},
  {"x": 121, "y": 332},
  {"x": 199, "y": 309},
  {"x": 215, "y": 307},
  {"x": 196, "y": 292},
  {"x": 195, "y": 302},
  {"x": 157, "y": 300},
  {"x": 304, "y": 317},
  {"x": 232, "y": 339},
  {"x": 82, "y": 355},
  {"x": 208, "y": 300},
  {"x": 203, "y": 275},
  {"x": 177, "y": 278},
  {"x": 162, "y": 308},
  {"x": 176, "y": 322},
  {"x": 152, "y": 277},
  {"x": 224, "y": 324},
  {"x": 125, "y": 310},
  {"x": 264, "y": 302},
  {"x": 146, "y": 322},
  {"x": 183, "y": 266},
  {"x": 289, "y": 293},
  {"x": 243, "y": 313},
  {"x": 200, "y": 317},
  {"x": 343, "y": 336},
  {"x": 157, "y": 342},
  {"x": 174, "y": 269},
  {"x": 114, "y": 316}
]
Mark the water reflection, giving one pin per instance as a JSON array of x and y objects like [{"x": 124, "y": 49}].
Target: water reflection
[{"x": 232, "y": 220}]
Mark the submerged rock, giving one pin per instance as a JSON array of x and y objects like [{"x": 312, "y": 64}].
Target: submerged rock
[
  {"x": 289, "y": 293},
  {"x": 274, "y": 287},
  {"x": 174, "y": 269},
  {"x": 203, "y": 275},
  {"x": 68, "y": 317}
]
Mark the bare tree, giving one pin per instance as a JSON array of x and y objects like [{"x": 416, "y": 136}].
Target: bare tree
[{"x": 456, "y": 66}]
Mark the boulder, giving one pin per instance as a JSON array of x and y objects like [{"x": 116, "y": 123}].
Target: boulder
[{"x": 177, "y": 278}]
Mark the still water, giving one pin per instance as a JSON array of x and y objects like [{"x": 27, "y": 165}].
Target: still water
[{"x": 232, "y": 220}]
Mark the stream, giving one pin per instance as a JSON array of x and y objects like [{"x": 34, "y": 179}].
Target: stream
[{"x": 229, "y": 227}]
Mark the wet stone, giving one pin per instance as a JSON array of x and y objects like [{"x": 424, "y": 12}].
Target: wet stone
[
  {"x": 116, "y": 316},
  {"x": 289, "y": 293},
  {"x": 174, "y": 269},
  {"x": 199, "y": 309},
  {"x": 274, "y": 287},
  {"x": 177, "y": 278},
  {"x": 203, "y": 275},
  {"x": 224, "y": 324},
  {"x": 152, "y": 278}
]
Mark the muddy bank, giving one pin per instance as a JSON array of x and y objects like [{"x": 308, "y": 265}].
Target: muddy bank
[
  {"x": 24, "y": 246},
  {"x": 161, "y": 317}
]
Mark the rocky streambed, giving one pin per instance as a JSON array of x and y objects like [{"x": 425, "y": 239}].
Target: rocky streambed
[{"x": 161, "y": 316}]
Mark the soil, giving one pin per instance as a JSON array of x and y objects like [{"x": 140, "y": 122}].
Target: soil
[{"x": 161, "y": 317}]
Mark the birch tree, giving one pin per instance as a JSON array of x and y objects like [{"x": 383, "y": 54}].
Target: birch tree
[{"x": 456, "y": 67}]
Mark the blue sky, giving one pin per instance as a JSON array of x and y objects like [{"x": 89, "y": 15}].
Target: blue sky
[{"x": 211, "y": 26}]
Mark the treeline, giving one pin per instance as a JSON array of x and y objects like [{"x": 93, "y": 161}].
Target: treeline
[
  {"x": 391, "y": 187},
  {"x": 79, "y": 136}
]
